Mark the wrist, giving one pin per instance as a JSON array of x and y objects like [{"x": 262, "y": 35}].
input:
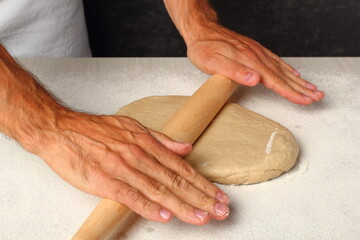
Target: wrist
[
  {"x": 193, "y": 18},
  {"x": 37, "y": 124},
  {"x": 27, "y": 112},
  {"x": 198, "y": 32}
]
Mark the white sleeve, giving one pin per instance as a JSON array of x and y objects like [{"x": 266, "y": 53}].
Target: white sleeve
[{"x": 44, "y": 28}]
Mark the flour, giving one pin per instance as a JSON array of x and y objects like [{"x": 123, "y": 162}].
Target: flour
[
  {"x": 202, "y": 165},
  {"x": 270, "y": 142}
]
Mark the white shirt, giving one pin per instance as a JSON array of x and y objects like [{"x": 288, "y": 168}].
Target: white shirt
[{"x": 44, "y": 28}]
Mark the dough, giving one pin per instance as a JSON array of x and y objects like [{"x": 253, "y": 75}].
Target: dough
[{"x": 238, "y": 147}]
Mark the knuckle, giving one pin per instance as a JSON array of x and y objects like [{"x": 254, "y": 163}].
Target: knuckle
[
  {"x": 205, "y": 200},
  {"x": 132, "y": 195},
  {"x": 238, "y": 71},
  {"x": 302, "y": 90},
  {"x": 123, "y": 121},
  {"x": 275, "y": 81},
  {"x": 179, "y": 183},
  {"x": 281, "y": 72},
  {"x": 146, "y": 206},
  {"x": 148, "y": 139},
  {"x": 113, "y": 159},
  {"x": 187, "y": 170},
  {"x": 129, "y": 136},
  {"x": 144, "y": 138},
  {"x": 158, "y": 189},
  {"x": 183, "y": 207},
  {"x": 208, "y": 187},
  {"x": 113, "y": 120},
  {"x": 249, "y": 53},
  {"x": 255, "y": 44},
  {"x": 135, "y": 149}
]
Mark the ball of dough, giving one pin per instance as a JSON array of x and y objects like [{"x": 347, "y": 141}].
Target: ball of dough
[{"x": 238, "y": 147}]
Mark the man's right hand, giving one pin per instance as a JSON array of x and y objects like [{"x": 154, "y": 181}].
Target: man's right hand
[
  {"x": 109, "y": 156},
  {"x": 118, "y": 158}
]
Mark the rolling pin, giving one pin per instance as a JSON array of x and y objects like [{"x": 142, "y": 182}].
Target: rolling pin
[{"x": 186, "y": 125}]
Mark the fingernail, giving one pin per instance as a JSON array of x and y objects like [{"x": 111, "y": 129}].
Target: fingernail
[
  {"x": 311, "y": 86},
  {"x": 221, "y": 209},
  {"x": 318, "y": 95},
  {"x": 201, "y": 214},
  {"x": 248, "y": 77},
  {"x": 222, "y": 197},
  {"x": 165, "y": 214},
  {"x": 296, "y": 73}
]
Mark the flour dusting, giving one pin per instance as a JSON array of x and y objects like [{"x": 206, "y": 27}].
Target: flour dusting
[
  {"x": 202, "y": 165},
  {"x": 270, "y": 142}
]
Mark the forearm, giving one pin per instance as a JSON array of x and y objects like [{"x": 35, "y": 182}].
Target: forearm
[
  {"x": 191, "y": 17},
  {"x": 25, "y": 106}
]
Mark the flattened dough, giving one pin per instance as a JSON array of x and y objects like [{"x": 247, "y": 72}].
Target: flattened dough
[{"x": 238, "y": 147}]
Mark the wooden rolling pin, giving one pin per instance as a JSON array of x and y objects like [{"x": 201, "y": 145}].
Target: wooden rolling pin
[{"x": 186, "y": 125}]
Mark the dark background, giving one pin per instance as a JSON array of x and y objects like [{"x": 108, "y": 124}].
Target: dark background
[{"x": 134, "y": 28}]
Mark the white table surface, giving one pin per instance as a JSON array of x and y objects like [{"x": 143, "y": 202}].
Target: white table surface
[{"x": 318, "y": 199}]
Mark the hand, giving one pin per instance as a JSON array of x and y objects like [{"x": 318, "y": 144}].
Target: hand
[
  {"x": 116, "y": 157},
  {"x": 109, "y": 156},
  {"x": 218, "y": 50}
]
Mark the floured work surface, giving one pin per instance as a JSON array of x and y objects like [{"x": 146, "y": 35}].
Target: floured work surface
[
  {"x": 317, "y": 199},
  {"x": 238, "y": 147}
]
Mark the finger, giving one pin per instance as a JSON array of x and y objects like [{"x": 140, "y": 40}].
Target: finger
[
  {"x": 310, "y": 86},
  {"x": 276, "y": 76},
  {"x": 178, "y": 185},
  {"x": 299, "y": 84},
  {"x": 295, "y": 75},
  {"x": 192, "y": 195},
  {"x": 132, "y": 198},
  {"x": 145, "y": 195},
  {"x": 315, "y": 95},
  {"x": 185, "y": 170},
  {"x": 294, "y": 81},
  {"x": 276, "y": 79},
  {"x": 305, "y": 84},
  {"x": 182, "y": 167},
  {"x": 181, "y": 149},
  {"x": 294, "y": 71},
  {"x": 121, "y": 192},
  {"x": 282, "y": 62},
  {"x": 304, "y": 87},
  {"x": 273, "y": 82},
  {"x": 302, "y": 82},
  {"x": 234, "y": 70},
  {"x": 162, "y": 155},
  {"x": 158, "y": 193},
  {"x": 271, "y": 60}
]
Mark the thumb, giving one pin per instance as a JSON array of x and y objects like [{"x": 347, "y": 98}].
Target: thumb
[
  {"x": 235, "y": 71},
  {"x": 181, "y": 149}
]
